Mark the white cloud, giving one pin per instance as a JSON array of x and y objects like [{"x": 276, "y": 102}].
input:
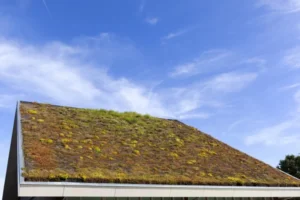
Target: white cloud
[
  {"x": 283, "y": 6},
  {"x": 57, "y": 72},
  {"x": 206, "y": 61},
  {"x": 31, "y": 69},
  {"x": 292, "y": 58},
  {"x": 175, "y": 34},
  {"x": 280, "y": 134},
  {"x": 297, "y": 100},
  {"x": 61, "y": 73},
  {"x": 255, "y": 62},
  {"x": 231, "y": 82},
  {"x": 233, "y": 125},
  {"x": 216, "y": 61},
  {"x": 283, "y": 133},
  {"x": 45, "y": 4},
  {"x": 152, "y": 20},
  {"x": 207, "y": 93},
  {"x": 292, "y": 86}
]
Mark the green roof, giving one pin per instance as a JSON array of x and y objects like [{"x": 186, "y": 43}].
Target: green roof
[{"x": 101, "y": 146}]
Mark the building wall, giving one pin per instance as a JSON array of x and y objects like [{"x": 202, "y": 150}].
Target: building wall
[
  {"x": 175, "y": 198},
  {"x": 42, "y": 198},
  {"x": 11, "y": 180}
]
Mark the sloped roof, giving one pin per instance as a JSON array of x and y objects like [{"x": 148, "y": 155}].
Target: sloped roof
[{"x": 86, "y": 145}]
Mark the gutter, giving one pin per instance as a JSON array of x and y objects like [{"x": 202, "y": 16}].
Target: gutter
[{"x": 69, "y": 189}]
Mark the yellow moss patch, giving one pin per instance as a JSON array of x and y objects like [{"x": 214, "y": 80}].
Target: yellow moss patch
[
  {"x": 52, "y": 176},
  {"x": 90, "y": 157},
  {"x": 237, "y": 180},
  {"x": 203, "y": 154},
  {"x": 191, "y": 162},
  {"x": 174, "y": 155},
  {"x": 87, "y": 141},
  {"x": 63, "y": 176},
  {"x": 97, "y": 149},
  {"x": 32, "y": 111},
  {"x": 40, "y": 120},
  {"x": 206, "y": 153},
  {"x": 137, "y": 152},
  {"x": 66, "y": 140},
  {"x": 49, "y": 141},
  {"x": 66, "y": 127}
]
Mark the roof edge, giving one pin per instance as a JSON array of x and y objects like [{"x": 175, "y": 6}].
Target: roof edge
[
  {"x": 287, "y": 174},
  {"x": 86, "y": 184},
  {"x": 142, "y": 190},
  {"x": 20, "y": 155}
]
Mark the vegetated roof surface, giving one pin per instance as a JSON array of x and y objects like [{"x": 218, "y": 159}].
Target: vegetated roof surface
[{"x": 100, "y": 146}]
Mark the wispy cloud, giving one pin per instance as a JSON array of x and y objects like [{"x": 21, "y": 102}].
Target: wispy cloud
[
  {"x": 152, "y": 20},
  {"x": 206, "y": 94},
  {"x": 142, "y": 5},
  {"x": 282, "y": 6},
  {"x": 297, "y": 100},
  {"x": 233, "y": 125},
  {"x": 280, "y": 134},
  {"x": 231, "y": 81},
  {"x": 292, "y": 58},
  {"x": 175, "y": 34},
  {"x": 217, "y": 61},
  {"x": 59, "y": 73},
  {"x": 292, "y": 86},
  {"x": 255, "y": 62},
  {"x": 45, "y": 4},
  {"x": 206, "y": 60}
]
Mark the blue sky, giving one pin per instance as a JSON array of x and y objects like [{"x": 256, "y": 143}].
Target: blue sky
[{"x": 230, "y": 68}]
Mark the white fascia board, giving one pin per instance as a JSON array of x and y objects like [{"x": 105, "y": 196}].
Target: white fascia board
[{"x": 32, "y": 189}]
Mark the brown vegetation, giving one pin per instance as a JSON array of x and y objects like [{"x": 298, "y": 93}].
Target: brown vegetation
[{"x": 73, "y": 144}]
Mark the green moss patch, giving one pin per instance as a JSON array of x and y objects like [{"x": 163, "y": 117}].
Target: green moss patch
[{"x": 86, "y": 145}]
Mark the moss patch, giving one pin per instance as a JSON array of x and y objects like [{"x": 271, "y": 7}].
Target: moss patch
[{"x": 73, "y": 144}]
